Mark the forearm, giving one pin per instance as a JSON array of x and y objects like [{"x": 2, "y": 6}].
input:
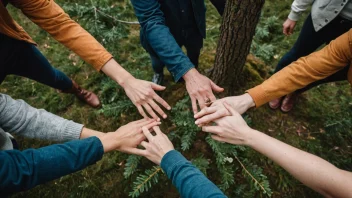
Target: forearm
[
  {"x": 189, "y": 181},
  {"x": 53, "y": 19},
  {"x": 305, "y": 70},
  {"x": 18, "y": 117},
  {"x": 156, "y": 34},
  {"x": 311, "y": 170},
  {"x": 24, "y": 170}
]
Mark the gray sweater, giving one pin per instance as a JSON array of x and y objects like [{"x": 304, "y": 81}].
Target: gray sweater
[
  {"x": 18, "y": 118},
  {"x": 323, "y": 11}
]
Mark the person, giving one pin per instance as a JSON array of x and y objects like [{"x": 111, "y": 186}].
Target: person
[
  {"x": 166, "y": 26},
  {"x": 189, "y": 180},
  {"x": 328, "y": 20},
  {"x": 19, "y": 56},
  {"x": 314, "y": 172},
  {"x": 22, "y": 170},
  {"x": 331, "y": 63}
]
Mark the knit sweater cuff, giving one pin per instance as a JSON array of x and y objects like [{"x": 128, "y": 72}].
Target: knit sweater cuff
[
  {"x": 71, "y": 131},
  {"x": 294, "y": 16},
  {"x": 259, "y": 95}
]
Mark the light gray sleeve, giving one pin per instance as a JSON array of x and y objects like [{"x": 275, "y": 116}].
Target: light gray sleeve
[
  {"x": 18, "y": 118},
  {"x": 297, "y": 7}
]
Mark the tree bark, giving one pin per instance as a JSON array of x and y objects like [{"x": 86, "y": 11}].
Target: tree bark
[{"x": 237, "y": 30}]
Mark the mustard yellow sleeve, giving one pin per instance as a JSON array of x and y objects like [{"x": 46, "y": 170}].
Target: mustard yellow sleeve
[
  {"x": 53, "y": 19},
  {"x": 305, "y": 70}
]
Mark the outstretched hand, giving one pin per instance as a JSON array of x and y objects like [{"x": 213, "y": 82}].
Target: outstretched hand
[
  {"x": 157, "y": 146},
  {"x": 288, "y": 27},
  {"x": 143, "y": 96},
  {"x": 231, "y": 129},
  {"x": 217, "y": 110},
  {"x": 200, "y": 89}
]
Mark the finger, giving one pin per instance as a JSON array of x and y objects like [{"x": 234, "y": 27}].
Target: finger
[
  {"x": 215, "y": 87},
  {"x": 201, "y": 100},
  {"x": 139, "y": 138},
  {"x": 157, "y": 130},
  {"x": 205, "y": 111},
  {"x": 157, "y": 108},
  {"x": 137, "y": 151},
  {"x": 147, "y": 133},
  {"x": 218, "y": 138},
  {"x": 285, "y": 30},
  {"x": 210, "y": 118},
  {"x": 150, "y": 111},
  {"x": 162, "y": 101},
  {"x": 152, "y": 125},
  {"x": 141, "y": 111},
  {"x": 157, "y": 87},
  {"x": 212, "y": 129},
  {"x": 143, "y": 122},
  {"x": 194, "y": 105},
  {"x": 144, "y": 144},
  {"x": 291, "y": 30}
]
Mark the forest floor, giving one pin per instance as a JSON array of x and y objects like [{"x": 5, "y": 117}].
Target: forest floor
[{"x": 318, "y": 124}]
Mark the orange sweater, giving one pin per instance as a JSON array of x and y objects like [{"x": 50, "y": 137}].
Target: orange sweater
[
  {"x": 50, "y": 17},
  {"x": 306, "y": 70}
]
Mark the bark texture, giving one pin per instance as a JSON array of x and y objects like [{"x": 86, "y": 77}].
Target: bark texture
[{"x": 237, "y": 30}]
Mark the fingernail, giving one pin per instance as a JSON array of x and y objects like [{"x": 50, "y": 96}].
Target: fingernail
[
  {"x": 165, "y": 116},
  {"x": 169, "y": 108},
  {"x": 196, "y": 122}
]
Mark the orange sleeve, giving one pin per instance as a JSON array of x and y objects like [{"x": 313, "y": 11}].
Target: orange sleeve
[
  {"x": 305, "y": 70},
  {"x": 53, "y": 19}
]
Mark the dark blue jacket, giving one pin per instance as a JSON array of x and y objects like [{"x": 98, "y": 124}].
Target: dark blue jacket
[{"x": 160, "y": 22}]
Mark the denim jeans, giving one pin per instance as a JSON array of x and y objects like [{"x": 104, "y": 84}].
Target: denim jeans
[
  {"x": 309, "y": 40},
  {"x": 24, "y": 59},
  {"x": 191, "y": 40}
]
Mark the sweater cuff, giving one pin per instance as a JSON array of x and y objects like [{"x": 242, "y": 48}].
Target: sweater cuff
[
  {"x": 294, "y": 16},
  {"x": 259, "y": 95},
  {"x": 170, "y": 160},
  {"x": 71, "y": 131},
  {"x": 98, "y": 148}
]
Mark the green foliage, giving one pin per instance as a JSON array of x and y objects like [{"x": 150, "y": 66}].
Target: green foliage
[
  {"x": 131, "y": 165},
  {"x": 145, "y": 181}
]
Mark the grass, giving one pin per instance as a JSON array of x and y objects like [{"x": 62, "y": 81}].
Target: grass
[{"x": 320, "y": 124}]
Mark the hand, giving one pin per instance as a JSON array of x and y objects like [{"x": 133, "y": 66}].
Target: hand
[
  {"x": 200, "y": 89},
  {"x": 142, "y": 95},
  {"x": 217, "y": 110},
  {"x": 128, "y": 137},
  {"x": 231, "y": 129},
  {"x": 157, "y": 146},
  {"x": 288, "y": 27}
]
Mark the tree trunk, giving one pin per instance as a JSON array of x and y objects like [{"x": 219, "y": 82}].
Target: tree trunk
[{"x": 237, "y": 31}]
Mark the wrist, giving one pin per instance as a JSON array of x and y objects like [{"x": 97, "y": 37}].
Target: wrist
[
  {"x": 249, "y": 102},
  {"x": 251, "y": 138},
  {"x": 191, "y": 73},
  {"x": 116, "y": 72},
  {"x": 109, "y": 142}
]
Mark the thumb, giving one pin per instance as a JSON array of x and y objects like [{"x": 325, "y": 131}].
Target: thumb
[
  {"x": 216, "y": 87},
  {"x": 157, "y": 87},
  {"x": 230, "y": 109}
]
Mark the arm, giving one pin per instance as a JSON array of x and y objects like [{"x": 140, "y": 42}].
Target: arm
[
  {"x": 18, "y": 117},
  {"x": 304, "y": 71},
  {"x": 50, "y": 17},
  {"x": 158, "y": 35},
  {"x": 188, "y": 179},
  {"x": 24, "y": 170},
  {"x": 311, "y": 170}
]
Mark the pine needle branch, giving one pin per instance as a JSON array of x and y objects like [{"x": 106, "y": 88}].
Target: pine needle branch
[{"x": 253, "y": 178}]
